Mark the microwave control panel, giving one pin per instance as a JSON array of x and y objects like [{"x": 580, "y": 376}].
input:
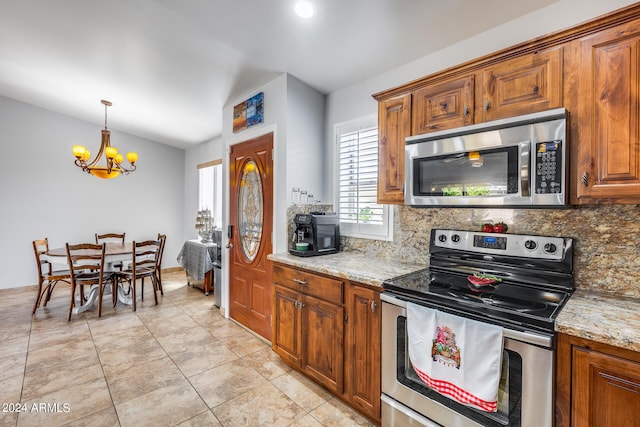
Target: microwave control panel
[{"x": 549, "y": 167}]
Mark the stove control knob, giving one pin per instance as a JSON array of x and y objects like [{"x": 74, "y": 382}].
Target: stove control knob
[
  {"x": 455, "y": 238},
  {"x": 550, "y": 248},
  {"x": 530, "y": 244},
  {"x": 442, "y": 238}
]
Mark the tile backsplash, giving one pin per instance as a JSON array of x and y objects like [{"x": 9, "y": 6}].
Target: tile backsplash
[{"x": 606, "y": 238}]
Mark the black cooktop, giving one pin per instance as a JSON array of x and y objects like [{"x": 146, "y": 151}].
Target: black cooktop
[
  {"x": 505, "y": 283},
  {"x": 501, "y": 300}
]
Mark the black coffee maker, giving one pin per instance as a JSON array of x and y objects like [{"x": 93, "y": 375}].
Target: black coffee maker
[{"x": 316, "y": 233}]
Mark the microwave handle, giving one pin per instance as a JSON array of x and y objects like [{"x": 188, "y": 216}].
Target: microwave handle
[{"x": 525, "y": 168}]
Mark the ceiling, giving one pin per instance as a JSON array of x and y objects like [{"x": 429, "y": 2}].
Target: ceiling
[{"x": 169, "y": 66}]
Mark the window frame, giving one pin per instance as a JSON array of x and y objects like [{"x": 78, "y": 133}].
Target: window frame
[
  {"x": 216, "y": 208},
  {"x": 361, "y": 230}
]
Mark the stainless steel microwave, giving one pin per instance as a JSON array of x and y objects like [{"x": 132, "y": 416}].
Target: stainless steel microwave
[{"x": 516, "y": 162}]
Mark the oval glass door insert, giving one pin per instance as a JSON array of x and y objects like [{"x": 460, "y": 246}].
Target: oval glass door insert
[{"x": 250, "y": 210}]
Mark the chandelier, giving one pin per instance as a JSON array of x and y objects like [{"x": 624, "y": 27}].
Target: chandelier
[{"x": 114, "y": 166}]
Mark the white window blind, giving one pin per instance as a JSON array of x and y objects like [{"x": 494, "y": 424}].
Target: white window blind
[{"x": 360, "y": 214}]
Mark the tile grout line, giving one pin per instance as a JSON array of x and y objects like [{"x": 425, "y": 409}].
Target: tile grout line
[
  {"x": 103, "y": 373},
  {"x": 177, "y": 367}
]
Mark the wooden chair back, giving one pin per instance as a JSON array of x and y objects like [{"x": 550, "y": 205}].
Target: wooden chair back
[
  {"x": 47, "y": 278},
  {"x": 163, "y": 240},
  {"x": 86, "y": 265},
  {"x": 41, "y": 247},
  {"x": 145, "y": 257},
  {"x": 110, "y": 237}
]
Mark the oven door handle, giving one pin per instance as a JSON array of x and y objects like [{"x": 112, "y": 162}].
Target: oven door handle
[
  {"x": 410, "y": 414},
  {"x": 527, "y": 337}
]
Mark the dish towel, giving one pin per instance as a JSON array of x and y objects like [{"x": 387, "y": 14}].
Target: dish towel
[{"x": 458, "y": 357}]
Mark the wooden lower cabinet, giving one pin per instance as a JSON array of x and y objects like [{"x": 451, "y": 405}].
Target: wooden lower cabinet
[
  {"x": 286, "y": 321},
  {"x": 329, "y": 329},
  {"x": 322, "y": 343},
  {"x": 363, "y": 349},
  {"x": 597, "y": 385}
]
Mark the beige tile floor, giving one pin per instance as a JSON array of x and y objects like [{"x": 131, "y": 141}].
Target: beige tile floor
[{"x": 179, "y": 363}]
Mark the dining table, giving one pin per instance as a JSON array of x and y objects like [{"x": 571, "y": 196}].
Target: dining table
[{"x": 114, "y": 253}]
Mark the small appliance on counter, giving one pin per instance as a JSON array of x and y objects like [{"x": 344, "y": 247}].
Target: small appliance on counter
[{"x": 315, "y": 233}]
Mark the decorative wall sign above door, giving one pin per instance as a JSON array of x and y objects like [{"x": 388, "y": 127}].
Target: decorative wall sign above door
[{"x": 248, "y": 113}]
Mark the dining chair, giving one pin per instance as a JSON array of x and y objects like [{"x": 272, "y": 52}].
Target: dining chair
[
  {"x": 144, "y": 261},
  {"x": 111, "y": 238},
  {"x": 163, "y": 240},
  {"x": 47, "y": 277},
  {"x": 86, "y": 264}
]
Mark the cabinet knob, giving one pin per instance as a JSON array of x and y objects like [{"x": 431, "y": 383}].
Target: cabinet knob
[
  {"x": 373, "y": 306},
  {"x": 466, "y": 111},
  {"x": 585, "y": 179},
  {"x": 486, "y": 105},
  {"x": 300, "y": 281},
  {"x": 443, "y": 105}
]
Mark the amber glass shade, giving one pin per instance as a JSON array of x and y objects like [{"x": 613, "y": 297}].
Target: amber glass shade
[
  {"x": 118, "y": 158},
  {"x": 103, "y": 173},
  {"x": 85, "y": 155},
  {"x": 110, "y": 152},
  {"x": 78, "y": 150},
  {"x": 132, "y": 156}
]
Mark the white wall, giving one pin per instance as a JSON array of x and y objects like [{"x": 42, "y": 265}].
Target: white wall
[
  {"x": 305, "y": 139},
  {"x": 43, "y": 194},
  {"x": 355, "y": 101}
]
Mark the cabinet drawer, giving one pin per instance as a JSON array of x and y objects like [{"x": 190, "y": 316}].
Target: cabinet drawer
[{"x": 330, "y": 290}]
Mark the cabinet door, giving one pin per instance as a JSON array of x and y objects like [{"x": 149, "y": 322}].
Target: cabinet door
[
  {"x": 607, "y": 131},
  {"x": 286, "y": 325},
  {"x": 363, "y": 349},
  {"x": 323, "y": 351},
  {"x": 606, "y": 390},
  {"x": 394, "y": 125},
  {"x": 523, "y": 85},
  {"x": 443, "y": 106}
]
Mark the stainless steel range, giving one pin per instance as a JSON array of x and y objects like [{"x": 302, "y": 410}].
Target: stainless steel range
[{"x": 518, "y": 282}]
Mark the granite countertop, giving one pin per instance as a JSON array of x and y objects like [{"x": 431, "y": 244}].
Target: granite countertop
[
  {"x": 350, "y": 266},
  {"x": 605, "y": 318},
  {"x": 601, "y": 317}
]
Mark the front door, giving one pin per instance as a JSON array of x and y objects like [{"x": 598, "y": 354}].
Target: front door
[{"x": 251, "y": 220}]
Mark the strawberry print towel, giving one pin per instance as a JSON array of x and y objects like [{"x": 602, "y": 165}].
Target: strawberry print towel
[{"x": 458, "y": 357}]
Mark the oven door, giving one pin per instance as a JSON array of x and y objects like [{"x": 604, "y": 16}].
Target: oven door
[{"x": 526, "y": 387}]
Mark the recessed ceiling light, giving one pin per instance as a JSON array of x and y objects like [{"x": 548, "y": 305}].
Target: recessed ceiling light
[{"x": 304, "y": 9}]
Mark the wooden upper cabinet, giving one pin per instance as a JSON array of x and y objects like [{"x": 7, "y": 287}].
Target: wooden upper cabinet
[
  {"x": 522, "y": 85},
  {"x": 607, "y": 105},
  {"x": 444, "y": 105},
  {"x": 394, "y": 125}
]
